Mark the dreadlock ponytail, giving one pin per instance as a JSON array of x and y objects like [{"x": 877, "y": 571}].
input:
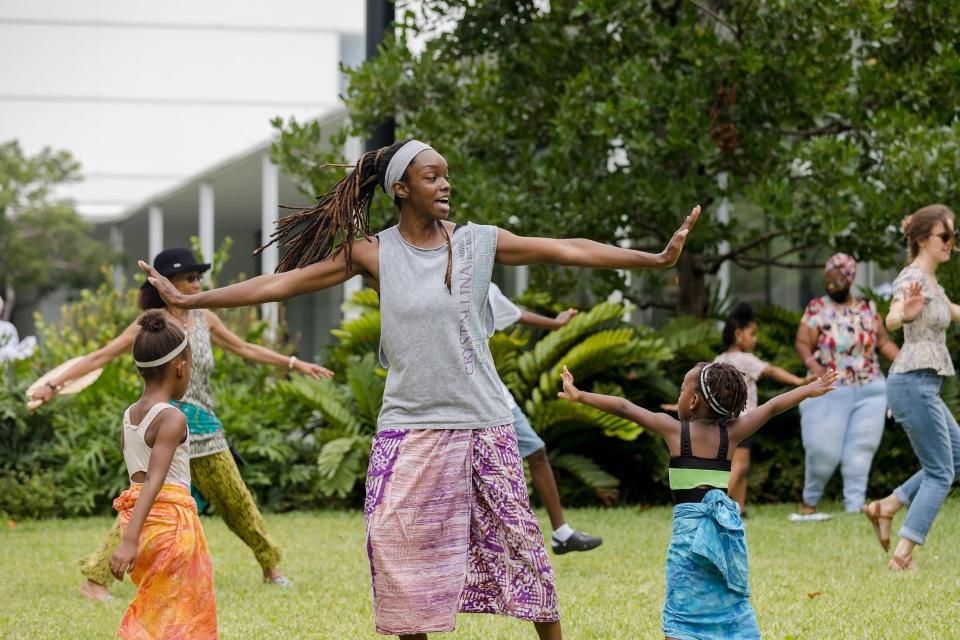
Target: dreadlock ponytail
[{"x": 333, "y": 223}]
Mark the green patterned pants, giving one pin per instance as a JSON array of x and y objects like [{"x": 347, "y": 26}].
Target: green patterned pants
[{"x": 218, "y": 479}]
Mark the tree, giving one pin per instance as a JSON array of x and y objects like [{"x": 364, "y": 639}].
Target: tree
[
  {"x": 820, "y": 124},
  {"x": 43, "y": 242}
]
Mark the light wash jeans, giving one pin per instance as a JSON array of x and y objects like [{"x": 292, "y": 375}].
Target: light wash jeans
[
  {"x": 933, "y": 432},
  {"x": 843, "y": 427}
]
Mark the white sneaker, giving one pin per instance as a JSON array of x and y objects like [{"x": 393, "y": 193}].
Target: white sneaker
[{"x": 816, "y": 516}]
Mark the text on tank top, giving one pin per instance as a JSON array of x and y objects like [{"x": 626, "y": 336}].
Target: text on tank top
[{"x": 434, "y": 345}]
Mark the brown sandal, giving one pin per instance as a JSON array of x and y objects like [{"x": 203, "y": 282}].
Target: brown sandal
[
  {"x": 872, "y": 511},
  {"x": 899, "y": 563}
]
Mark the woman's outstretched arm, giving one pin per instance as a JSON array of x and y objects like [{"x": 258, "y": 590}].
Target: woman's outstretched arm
[
  {"x": 272, "y": 287},
  {"x": 577, "y": 252}
]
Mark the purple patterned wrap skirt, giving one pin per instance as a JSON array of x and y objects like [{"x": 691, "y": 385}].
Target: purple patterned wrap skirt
[{"x": 449, "y": 528}]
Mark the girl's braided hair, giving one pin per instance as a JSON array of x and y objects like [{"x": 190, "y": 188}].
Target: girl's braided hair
[
  {"x": 726, "y": 387},
  {"x": 343, "y": 212}
]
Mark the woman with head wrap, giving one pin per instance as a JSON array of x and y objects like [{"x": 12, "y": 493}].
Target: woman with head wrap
[
  {"x": 843, "y": 333},
  {"x": 449, "y": 525}
]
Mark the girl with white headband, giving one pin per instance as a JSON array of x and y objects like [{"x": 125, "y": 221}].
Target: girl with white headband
[
  {"x": 162, "y": 544},
  {"x": 708, "y": 589},
  {"x": 449, "y": 525}
]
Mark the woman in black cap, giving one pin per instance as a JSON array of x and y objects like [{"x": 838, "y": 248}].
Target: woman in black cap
[{"x": 213, "y": 470}]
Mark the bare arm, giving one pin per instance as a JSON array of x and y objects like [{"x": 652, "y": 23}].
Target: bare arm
[
  {"x": 885, "y": 344},
  {"x": 784, "y": 376},
  {"x": 170, "y": 434},
  {"x": 532, "y": 319},
  {"x": 223, "y": 337},
  {"x": 660, "y": 423},
  {"x": 90, "y": 362},
  {"x": 804, "y": 344},
  {"x": 272, "y": 287},
  {"x": 577, "y": 252},
  {"x": 741, "y": 428}
]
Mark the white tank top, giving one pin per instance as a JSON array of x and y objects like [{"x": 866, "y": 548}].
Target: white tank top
[{"x": 136, "y": 453}]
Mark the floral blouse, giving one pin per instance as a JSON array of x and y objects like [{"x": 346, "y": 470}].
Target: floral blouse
[
  {"x": 925, "y": 338},
  {"x": 846, "y": 338}
]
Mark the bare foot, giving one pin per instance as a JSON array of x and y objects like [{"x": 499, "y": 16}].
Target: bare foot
[
  {"x": 274, "y": 577},
  {"x": 95, "y": 591}
]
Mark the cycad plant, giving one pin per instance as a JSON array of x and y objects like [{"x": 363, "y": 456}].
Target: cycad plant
[
  {"x": 597, "y": 344},
  {"x": 344, "y": 421}
]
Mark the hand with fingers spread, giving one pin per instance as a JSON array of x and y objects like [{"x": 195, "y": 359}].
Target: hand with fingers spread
[
  {"x": 823, "y": 384},
  {"x": 671, "y": 254},
  {"x": 123, "y": 559},
  {"x": 570, "y": 392},
  {"x": 170, "y": 294},
  {"x": 913, "y": 302}
]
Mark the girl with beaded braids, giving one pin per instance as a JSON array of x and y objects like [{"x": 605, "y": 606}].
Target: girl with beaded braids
[
  {"x": 708, "y": 591},
  {"x": 449, "y": 526}
]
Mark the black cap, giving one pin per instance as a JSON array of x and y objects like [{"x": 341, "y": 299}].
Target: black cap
[{"x": 170, "y": 262}]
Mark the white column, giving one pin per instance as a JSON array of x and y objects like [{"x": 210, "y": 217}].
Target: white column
[
  {"x": 522, "y": 279},
  {"x": 116, "y": 244},
  {"x": 155, "y": 231},
  {"x": 269, "y": 206},
  {"x": 723, "y": 216},
  {"x": 205, "y": 221}
]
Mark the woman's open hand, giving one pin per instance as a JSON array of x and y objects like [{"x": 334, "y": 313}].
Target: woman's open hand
[{"x": 671, "y": 254}]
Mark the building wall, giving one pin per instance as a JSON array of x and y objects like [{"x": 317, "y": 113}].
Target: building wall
[{"x": 147, "y": 94}]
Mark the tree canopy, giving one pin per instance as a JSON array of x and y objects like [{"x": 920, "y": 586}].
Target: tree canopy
[
  {"x": 43, "y": 241},
  {"x": 820, "y": 124}
]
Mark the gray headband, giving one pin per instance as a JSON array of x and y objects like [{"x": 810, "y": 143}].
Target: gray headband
[
  {"x": 709, "y": 396},
  {"x": 399, "y": 163}
]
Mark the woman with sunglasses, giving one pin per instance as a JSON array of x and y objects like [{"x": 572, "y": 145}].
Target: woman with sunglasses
[
  {"x": 922, "y": 308},
  {"x": 842, "y": 333},
  {"x": 213, "y": 470}
]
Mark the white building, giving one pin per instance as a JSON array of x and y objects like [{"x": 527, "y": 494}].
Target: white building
[{"x": 167, "y": 106}]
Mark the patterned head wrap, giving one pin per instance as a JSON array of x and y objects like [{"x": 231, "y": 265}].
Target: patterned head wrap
[{"x": 844, "y": 264}]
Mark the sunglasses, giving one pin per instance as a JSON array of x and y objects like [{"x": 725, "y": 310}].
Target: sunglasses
[
  {"x": 192, "y": 277},
  {"x": 946, "y": 237}
]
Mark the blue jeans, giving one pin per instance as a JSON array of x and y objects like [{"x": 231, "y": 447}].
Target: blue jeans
[
  {"x": 935, "y": 437},
  {"x": 843, "y": 427}
]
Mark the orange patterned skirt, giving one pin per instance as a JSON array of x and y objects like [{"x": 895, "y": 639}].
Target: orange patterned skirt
[{"x": 175, "y": 599}]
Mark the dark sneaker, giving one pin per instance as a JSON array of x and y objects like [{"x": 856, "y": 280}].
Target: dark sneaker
[{"x": 576, "y": 542}]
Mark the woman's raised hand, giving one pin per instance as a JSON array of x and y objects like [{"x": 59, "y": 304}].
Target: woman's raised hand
[
  {"x": 823, "y": 384},
  {"x": 671, "y": 254},
  {"x": 913, "y": 302},
  {"x": 170, "y": 294}
]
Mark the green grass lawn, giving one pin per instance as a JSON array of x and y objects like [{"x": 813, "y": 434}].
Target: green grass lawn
[{"x": 810, "y": 580}]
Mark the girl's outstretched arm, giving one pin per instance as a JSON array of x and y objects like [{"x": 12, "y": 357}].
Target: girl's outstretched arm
[
  {"x": 659, "y": 423},
  {"x": 741, "y": 428},
  {"x": 782, "y": 375},
  {"x": 272, "y": 287},
  {"x": 171, "y": 431},
  {"x": 577, "y": 252}
]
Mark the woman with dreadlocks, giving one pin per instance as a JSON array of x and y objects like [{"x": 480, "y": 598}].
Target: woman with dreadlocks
[
  {"x": 449, "y": 526},
  {"x": 708, "y": 590}
]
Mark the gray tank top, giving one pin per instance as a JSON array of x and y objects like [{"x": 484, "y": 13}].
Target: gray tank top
[{"x": 440, "y": 372}]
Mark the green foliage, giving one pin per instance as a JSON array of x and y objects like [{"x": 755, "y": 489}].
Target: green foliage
[
  {"x": 821, "y": 123},
  {"x": 43, "y": 242}
]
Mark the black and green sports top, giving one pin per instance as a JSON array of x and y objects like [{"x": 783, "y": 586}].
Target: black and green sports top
[{"x": 691, "y": 477}]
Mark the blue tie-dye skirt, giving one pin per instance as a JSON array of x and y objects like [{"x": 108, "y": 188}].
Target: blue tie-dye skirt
[{"x": 708, "y": 591}]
